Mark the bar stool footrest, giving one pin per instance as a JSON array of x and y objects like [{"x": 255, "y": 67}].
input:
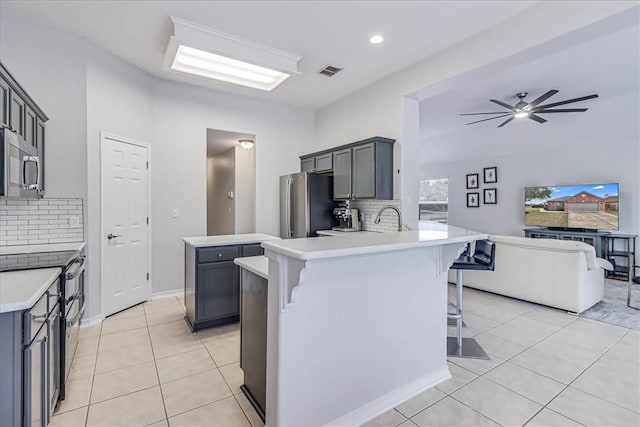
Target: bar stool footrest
[
  {"x": 454, "y": 322},
  {"x": 470, "y": 349}
]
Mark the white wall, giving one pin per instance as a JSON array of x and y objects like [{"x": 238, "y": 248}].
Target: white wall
[
  {"x": 85, "y": 90},
  {"x": 245, "y": 190},
  {"x": 378, "y": 109},
  {"x": 182, "y": 115}
]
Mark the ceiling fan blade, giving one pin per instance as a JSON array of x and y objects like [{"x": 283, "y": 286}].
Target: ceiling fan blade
[
  {"x": 536, "y": 118},
  {"x": 502, "y": 104},
  {"x": 490, "y": 118},
  {"x": 506, "y": 121},
  {"x": 542, "y": 98},
  {"x": 563, "y": 110},
  {"x": 568, "y": 101},
  {"x": 477, "y": 114}
]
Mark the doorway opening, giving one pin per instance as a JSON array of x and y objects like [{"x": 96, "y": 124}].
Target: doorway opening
[{"x": 231, "y": 182}]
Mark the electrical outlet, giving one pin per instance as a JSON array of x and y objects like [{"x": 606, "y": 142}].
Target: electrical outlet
[{"x": 175, "y": 213}]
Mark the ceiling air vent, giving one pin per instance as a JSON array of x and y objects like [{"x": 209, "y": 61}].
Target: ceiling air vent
[{"x": 329, "y": 71}]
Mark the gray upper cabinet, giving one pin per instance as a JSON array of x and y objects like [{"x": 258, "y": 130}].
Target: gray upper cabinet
[
  {"x": 4, "y": 102},
  {"x": 17, "y": 115},
  {"x": 364, "y": 172},
  {"x": 308, "y": 165},
  {"x": 342, "y": 174},
  {"x": 361, "y": 170},
  {"x": 324, "y": 163},
  {"x": 21, "y": 114}
]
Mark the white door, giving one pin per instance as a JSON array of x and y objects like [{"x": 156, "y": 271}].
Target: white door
[{"x": 125, "y": 229}]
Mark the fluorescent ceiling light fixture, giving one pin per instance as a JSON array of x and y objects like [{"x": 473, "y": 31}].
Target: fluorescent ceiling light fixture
[
  {"x": 376, "y": 39},
  {"x": 204, "y": 52},
  {"x": 206, "y": 64},
  {"x": 247, "y": 144}
]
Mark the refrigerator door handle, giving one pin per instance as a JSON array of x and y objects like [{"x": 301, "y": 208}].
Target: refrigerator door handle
[{"x": 290, "y": 207}]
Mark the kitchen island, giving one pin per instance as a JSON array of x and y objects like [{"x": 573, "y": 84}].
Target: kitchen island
[
  {"x": 356, "y": 325},
  {"x": 211, "y": 282}
]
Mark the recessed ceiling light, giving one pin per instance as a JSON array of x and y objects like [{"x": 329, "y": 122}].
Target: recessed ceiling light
[
  {"x": 205, "y": 52},
  {"x": 377, "y": 39}
]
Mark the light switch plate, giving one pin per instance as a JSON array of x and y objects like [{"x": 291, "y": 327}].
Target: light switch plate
[
  {"x": 175, "y": 213},
  {"x": 74, "y": 221}
]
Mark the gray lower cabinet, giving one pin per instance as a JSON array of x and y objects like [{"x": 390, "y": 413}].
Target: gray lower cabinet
[
  {"x": 30, "y": 362},
  {"x": 212, "y": 283}
]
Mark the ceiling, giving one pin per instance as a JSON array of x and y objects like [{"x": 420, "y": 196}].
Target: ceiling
[
  {"x": 322, "y": 32},
  {"x": 608, "y": 65}
]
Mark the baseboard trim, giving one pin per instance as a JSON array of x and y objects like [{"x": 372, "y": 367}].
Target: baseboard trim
[
  {"x": 91, "y": 321},
  {"x": 392, "y": 399},
  {"x": 167, "y": 294}
]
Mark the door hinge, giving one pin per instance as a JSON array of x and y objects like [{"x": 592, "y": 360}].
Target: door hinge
[
  {"x": 147, "y": 276},
  {"x": 147, "y": 220},
  {"x": 147, "y": 165}
]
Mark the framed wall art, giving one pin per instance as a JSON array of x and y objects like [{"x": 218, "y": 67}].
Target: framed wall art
[
  {"x": 473, "y": 181},
  {"x": 473, "y": 200},
  {"x": 490, "y": 175},
  {"x": 490, "y": 196}
]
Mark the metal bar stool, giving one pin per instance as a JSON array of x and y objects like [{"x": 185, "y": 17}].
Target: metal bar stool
[
  {"x": 632, "y": 279},
  {"x": 483, "y": 258}
]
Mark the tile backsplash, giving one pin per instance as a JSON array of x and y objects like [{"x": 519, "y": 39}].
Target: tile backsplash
[
  {"x": 369, "y": 209},
  {"x": 32, "y": 222}
]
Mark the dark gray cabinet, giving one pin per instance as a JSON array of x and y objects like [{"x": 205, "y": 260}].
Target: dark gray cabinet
[
  {"x": 217, "y": 288},
  {"x": 308, "y": 165},
  {"x": 30, "y": 361},
  {"x": 322, "y": 163},
  {"x": 361, "y": 170},
  {"x": 4, "y": 102},
  {"x": 342, "y": 174},
  {"x": 212, "y": 283},
  {"x": 21, "y": 114},
  {"x": 17, "y": 109}
]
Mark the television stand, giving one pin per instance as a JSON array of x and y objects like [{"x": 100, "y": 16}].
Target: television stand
[{"x": 597, "y": 239}]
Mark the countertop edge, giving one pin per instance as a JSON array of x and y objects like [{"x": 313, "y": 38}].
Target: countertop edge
[
  {"x": 251, "y": 264},
  {"x": 27, "y": 304},
  {"x": 47, "y": 247},
  {"x": 255, "y": 238},
  {"x": 365, "y": 250}
]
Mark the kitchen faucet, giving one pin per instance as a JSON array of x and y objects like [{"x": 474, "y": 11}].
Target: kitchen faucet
[{"x": 384, "y": 208}]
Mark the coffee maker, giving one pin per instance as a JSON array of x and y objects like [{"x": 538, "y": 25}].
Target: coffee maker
[{"x": 349, "y": 218}]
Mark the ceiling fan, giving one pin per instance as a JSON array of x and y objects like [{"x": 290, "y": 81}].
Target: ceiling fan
[{"x": 531, "y": 109}]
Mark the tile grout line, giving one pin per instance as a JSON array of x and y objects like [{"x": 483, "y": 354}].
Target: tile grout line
[
  {"x": 155, "y": 365},
  {"x": 86, "y": 420}
]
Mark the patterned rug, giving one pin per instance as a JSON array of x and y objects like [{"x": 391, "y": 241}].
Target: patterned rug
[{"x": 613, "y": 307}]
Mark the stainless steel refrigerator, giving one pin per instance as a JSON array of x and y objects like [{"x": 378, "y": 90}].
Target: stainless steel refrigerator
[{"x": 306, "y": 204}]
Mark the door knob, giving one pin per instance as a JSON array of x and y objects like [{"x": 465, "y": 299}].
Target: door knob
[{"x": 113, "y": 236}]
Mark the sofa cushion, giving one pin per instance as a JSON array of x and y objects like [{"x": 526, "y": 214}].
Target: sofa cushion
[{"x": 593, "y": 262}]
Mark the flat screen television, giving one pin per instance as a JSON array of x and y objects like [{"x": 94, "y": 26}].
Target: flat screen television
[{"x": 585, "y": 206}]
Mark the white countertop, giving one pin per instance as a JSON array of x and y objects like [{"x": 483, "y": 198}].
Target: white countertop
[
  {"x": 430, "y": 234},
  {"x": 52, "y": 247},
  {"x": 255, "y": 264},
  {"x": 20, "y": 290},
  {"x": 342, "y": 233},
  {"x": 231, "y": 239}
]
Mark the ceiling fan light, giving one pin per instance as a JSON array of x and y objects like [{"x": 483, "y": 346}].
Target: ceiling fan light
[{"x": 521, "y": 114}]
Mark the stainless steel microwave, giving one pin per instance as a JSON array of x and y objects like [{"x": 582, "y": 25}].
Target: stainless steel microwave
[{"x": 20, "y": 168}]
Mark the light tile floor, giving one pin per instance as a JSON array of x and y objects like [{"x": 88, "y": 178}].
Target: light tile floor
[{"x": 144, "y": 367}]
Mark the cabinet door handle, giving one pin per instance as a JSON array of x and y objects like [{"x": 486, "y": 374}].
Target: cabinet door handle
[{"x": 44, "y": 384}]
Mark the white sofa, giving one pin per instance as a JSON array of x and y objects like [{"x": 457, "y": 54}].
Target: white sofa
[{"x": 558, "y": 273}]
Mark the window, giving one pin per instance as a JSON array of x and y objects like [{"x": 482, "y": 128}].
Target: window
[{"x": 434, "y": 200}]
